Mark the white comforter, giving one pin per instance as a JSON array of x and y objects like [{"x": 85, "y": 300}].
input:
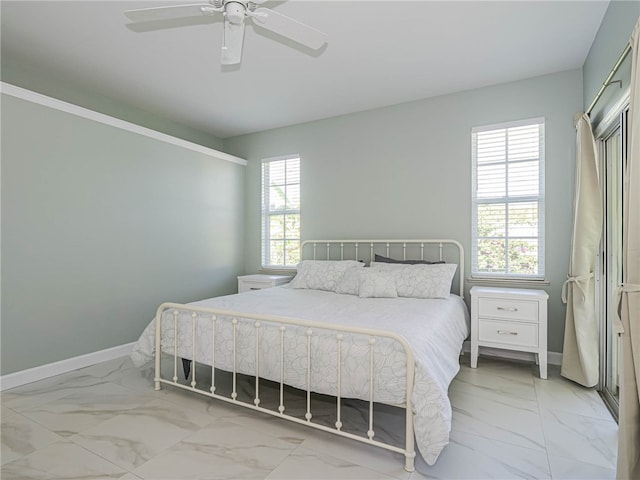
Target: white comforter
[{"x": 435, "y": 329}]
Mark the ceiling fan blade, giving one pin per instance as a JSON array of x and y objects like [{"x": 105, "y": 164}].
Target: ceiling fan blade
[
  {"x": 288, "y": 27},
  {"x": 173, "y": 11},
  {"x": 232, "y": 43}
]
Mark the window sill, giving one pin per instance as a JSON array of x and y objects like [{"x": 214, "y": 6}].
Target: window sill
[
  {"x": 278, "y": 271},
  {"x": 524, "y": 282}
]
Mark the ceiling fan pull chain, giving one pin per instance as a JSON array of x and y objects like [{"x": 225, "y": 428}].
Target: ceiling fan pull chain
[{"x": 224, "y": 38}]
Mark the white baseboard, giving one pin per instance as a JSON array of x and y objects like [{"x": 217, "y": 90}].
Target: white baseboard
[
  {"x": 34, "y": 374},
  {"x": 553, "y": 358}
]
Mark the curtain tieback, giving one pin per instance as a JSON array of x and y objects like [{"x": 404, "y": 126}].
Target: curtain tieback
[
  {"x": 578, "y": 280},
  {"x": 618, "y": 327}
]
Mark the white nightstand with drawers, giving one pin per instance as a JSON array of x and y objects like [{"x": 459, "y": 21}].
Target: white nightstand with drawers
[
  {"x": 259, "y": 281},
  {"x": 509, "y": 318}
]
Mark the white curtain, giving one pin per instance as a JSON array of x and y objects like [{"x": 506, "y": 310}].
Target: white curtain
[
  {"x": 580, "y": 355},
  {"x": 629, "y": 412}
]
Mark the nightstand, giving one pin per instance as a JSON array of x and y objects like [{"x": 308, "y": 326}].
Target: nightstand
[
  {"x": 511, "y": 319},
  {"x": 260, "y": 281}
]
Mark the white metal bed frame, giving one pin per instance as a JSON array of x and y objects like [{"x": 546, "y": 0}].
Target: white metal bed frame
[{"x": 329, "y": 250}]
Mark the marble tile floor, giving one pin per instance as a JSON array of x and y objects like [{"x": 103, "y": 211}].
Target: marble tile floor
[{"x": 106, "y": 421}]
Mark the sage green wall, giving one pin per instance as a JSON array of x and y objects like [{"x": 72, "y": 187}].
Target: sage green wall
[
  {"x": 100, "y": 226},
  {"x": 405, "y": 171},
  {"x": 611, "y": 39}
]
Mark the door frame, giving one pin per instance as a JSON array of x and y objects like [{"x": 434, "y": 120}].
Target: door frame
[{"x": 616, "y": 118}]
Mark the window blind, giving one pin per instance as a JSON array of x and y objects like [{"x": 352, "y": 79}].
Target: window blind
[
  {"x": 281, "y": 212},
  {"x": 508, "y": 200}
]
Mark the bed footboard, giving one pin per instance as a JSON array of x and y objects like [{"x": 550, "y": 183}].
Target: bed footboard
[{"x": 269, "y": 337}]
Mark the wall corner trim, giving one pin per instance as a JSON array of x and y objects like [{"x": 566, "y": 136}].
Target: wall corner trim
[
  {"x": 38, "y": 98},
  {"x": 34, "y": 374}
]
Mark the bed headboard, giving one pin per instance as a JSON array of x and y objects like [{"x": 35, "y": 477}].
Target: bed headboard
[{"x": 450, "y": 251}]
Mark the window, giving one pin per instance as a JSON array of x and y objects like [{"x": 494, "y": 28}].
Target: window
[
  {"x": 508, "y": 200},
  {"x": 281, "y": 212}
]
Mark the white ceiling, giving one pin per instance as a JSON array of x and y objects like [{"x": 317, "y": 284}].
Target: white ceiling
[{"x": 379, "y": 53}]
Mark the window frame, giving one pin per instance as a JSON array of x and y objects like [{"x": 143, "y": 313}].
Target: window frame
[
  {"x": 508, "y": 199},
  {"x": 266, "y": 213}
]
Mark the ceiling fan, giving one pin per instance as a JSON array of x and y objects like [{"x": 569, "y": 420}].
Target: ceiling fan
[{"x": 235, "y": 13}]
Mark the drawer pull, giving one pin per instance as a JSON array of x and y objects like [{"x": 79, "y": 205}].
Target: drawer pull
[
  {"x": 506, "y": 309},
  {"x": 505, "y": 332}
]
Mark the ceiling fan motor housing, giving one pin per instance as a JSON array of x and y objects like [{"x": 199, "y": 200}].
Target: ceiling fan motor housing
[{"x": 234, "y": 12}]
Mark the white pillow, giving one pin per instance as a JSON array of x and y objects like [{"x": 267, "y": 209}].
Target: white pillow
[
  {"x": 386, "y": 266},
  {"x": 349, "y": 284},
  {"x": 420, "y": 281},
  {"x": 322, "y": 274},
  {"x": 377, "y": 284}
]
